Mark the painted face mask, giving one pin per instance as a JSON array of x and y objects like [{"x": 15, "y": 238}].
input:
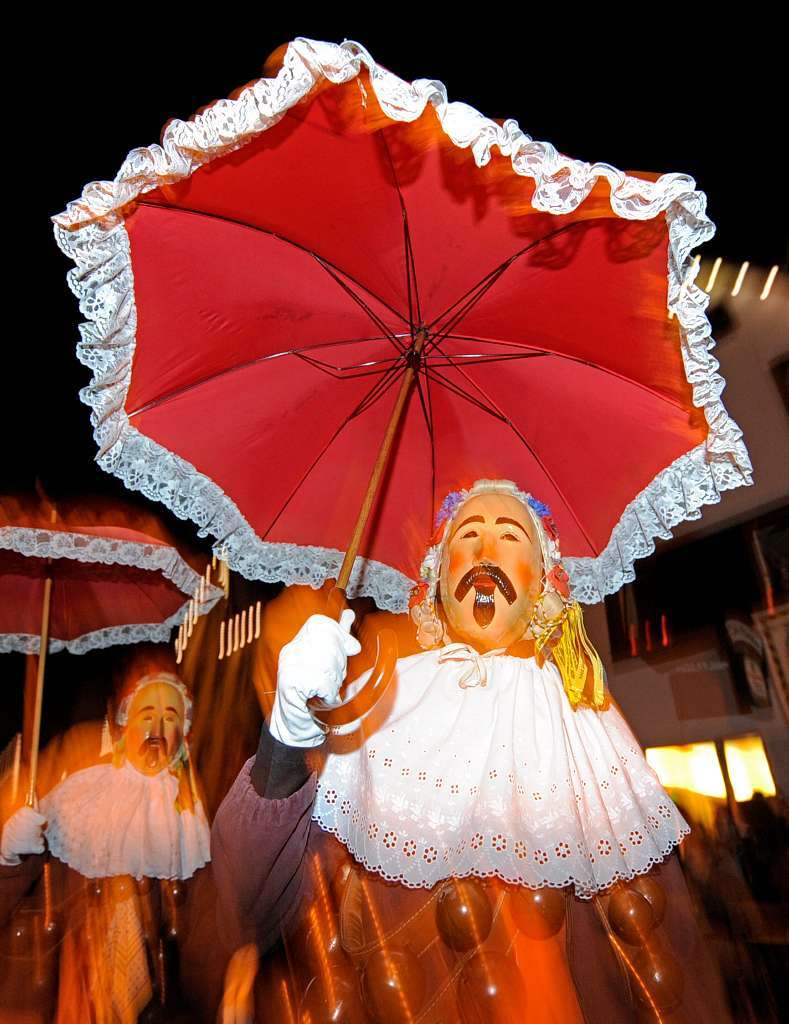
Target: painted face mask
[
  {"x": 491, "y": 571},
  {"x": 493, "y": 575},
  {"x": 155, "y": 720}
]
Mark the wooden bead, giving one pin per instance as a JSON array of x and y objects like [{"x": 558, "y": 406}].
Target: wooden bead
[
  {"x": 339, "y": 1002},
  {"x": 652, "y": 891},
  {"x": 178, "y": 892},
  {"x": 394, "y": 986},
  {"x": 539, "y": 913},
  {"x": 631, "y": 916},
  {"x": 463, "y": 914},
  {"x": 20, "y": 935},
  {"x": 316, "y": 944},
  {"x": 340, "y": 881},
  {"x": 490, "y": 990},
  {"x": 659, "y": 981}
]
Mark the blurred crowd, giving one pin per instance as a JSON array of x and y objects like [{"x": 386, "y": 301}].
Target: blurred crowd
[{"x": 738, "y": 875}]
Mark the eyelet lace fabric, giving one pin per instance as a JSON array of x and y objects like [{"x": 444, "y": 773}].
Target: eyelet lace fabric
[
  {"x": 499, "y": 779},
  {"x": 83, "y": 547},
  {"x": 106, "y": 821},
  {"x": 91, "y": 232}
]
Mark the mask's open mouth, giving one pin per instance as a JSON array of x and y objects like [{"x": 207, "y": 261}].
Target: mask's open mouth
[
  {"x": 485, "y": 579},
  {"x": 153, "y": 751}
]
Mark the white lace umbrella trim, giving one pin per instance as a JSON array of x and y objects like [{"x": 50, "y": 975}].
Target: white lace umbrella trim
[
  {"x": 502, "y": 778},
  {"x": 91, "y": 232},
  {"x": 106, "y": 821},
  {"x": 84, "y": 547}
]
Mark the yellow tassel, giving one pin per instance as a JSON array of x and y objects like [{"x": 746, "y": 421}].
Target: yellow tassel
[{"x": 573, "y": 654}]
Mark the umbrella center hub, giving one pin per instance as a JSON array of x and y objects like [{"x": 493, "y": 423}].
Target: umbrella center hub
[{"x": 414, "y": 356}]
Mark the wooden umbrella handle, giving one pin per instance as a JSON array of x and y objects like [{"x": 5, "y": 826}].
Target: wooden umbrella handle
[
  {"x": 364, "y": 701},
  {"x": 42, "y": 660},
  {"x": 386, "y": 656}
]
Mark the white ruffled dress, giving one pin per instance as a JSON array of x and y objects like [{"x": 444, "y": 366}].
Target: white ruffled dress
[{"x": 478, "y": 765}]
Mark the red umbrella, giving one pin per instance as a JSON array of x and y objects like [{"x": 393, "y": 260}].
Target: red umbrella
[
  {"x": 117, "y": 578},
  {"x": 258, "y": 287}
]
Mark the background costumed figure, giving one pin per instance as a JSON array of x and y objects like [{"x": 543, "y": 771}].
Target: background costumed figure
[
  {"x": 123, "y": 836},
  {"x": 500, "y": 818}
]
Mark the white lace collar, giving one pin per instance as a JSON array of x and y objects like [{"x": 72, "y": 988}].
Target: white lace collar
[
  {"x": 477, "y": 765},
  {"x": 107, "y": 821}
]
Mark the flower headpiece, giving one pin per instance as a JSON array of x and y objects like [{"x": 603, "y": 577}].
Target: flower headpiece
[{"x": 423, "y": 596}]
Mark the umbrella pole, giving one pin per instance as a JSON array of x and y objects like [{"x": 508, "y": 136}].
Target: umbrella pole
[
  {"x": 380, "y": 463},
  {"x": 42, "y": 660}
]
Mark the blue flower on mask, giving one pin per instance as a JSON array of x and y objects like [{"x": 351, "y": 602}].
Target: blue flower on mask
[
  {"x": 539, "y": 507},
  {"x": 449, "y": 506}
]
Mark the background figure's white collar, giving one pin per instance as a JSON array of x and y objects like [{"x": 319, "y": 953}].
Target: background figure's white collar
[
  {"x": 449, "y": 777},
  {"x": 106, "y": 821}
]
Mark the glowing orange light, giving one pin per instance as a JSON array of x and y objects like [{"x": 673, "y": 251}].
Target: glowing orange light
[
  {"x": 693, "y": 767},
  {"x": 768, "y": 284},
  {"x": 713, "y": 274},
  {"x": 748, "y": 767},
  {"x": 740, "y": 278}
]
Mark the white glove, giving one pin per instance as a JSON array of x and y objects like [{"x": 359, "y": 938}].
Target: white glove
[
  {"x": 23, "y": 833},
  {"x": 313, "y": 664}
]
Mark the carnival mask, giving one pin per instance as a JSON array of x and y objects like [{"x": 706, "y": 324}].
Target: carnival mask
[
  {"x": 491, "y": 571},
  {"x": 155, "y": 727}
]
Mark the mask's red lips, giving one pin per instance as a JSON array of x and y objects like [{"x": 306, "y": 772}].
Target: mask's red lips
[{"x": 485, "y": 579}]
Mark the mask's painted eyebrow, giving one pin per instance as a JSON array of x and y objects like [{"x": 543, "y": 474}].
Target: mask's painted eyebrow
[
  {"x": 513, "y": 522},
  {"x": 471, "y": 519}
]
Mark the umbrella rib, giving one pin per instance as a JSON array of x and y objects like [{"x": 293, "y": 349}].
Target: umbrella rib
[
  {"x": 519, "y": 434},
  {"x": 573, "y": 359},
  {"x": 470, "y": 359},
  {"x": 338, "y": 372},
  {"x": 427, "y": 408},
  {"x": 439, "y": 378},
  {"x": 410, "y": 263},
  {"x": 245, "y": 366},
  {"x": 466, "y": 307},
  {"x": 377, "y": 391},
  {"x": 282, "y": 238},
  {"x": 379, "y": 323}
]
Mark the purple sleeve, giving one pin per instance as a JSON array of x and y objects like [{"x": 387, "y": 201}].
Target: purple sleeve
[{"x": 258, "y": 851}]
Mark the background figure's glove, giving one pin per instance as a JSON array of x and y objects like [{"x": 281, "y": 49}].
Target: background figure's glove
[
  {"x": 23, "y": 833},
  {"x": 313, "y": 664}
]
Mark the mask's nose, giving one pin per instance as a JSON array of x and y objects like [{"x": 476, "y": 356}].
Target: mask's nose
[
  {"x": 156, "y": 731},
  {"x": 488, "y": 547}
]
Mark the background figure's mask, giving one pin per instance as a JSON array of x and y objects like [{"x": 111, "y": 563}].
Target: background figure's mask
[
  {"x": 155, "y": 727},
  {"x": 491, "y": 571}
]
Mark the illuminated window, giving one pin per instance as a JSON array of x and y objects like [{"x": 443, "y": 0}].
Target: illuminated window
[
  {"x": 749, "y": 771},
  {"x": 693, "y": 767}
]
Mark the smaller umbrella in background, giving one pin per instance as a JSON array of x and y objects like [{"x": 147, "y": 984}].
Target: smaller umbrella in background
[{"x": 88, "y": 576}]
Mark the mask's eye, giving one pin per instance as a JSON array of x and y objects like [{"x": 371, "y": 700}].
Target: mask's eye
[
  {"x": 470, "y": 533},
  {"x": 509, "y": 536}
]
